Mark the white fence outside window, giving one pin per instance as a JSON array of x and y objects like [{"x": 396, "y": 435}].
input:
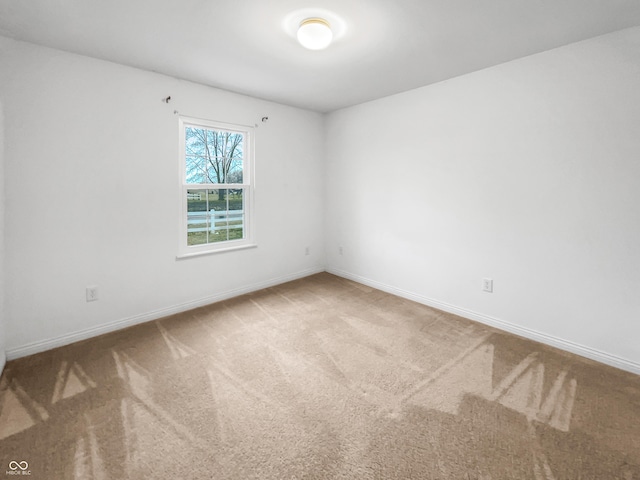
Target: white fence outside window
[{"x": 214, "y": 221}]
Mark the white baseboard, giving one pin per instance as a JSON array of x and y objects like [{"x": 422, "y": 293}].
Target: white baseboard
[
  {"x": 3, "y": 362},
  {"x": 41, "y": 346},
  {"x": 566, "y": 345}
]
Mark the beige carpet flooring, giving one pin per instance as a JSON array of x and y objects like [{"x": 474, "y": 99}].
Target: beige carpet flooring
[{"x": 320, "y": 378}]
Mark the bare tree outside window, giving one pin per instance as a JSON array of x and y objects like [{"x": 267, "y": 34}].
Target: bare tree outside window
[{"x": 213, "y": 156}]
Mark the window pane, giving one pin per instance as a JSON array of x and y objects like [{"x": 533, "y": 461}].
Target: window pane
[
  {"x": 215, "y": 215},
  {"x": 236, "y": 214},
  {"x": 197, "y": 217},
  {"x": 213, "y": 156},
  {"x": 227, "y": 214}
]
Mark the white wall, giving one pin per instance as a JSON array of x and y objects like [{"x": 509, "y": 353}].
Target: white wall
[
  {"x": 528, "y": 173},
  {"x": 2, "y": 279},
  {"x": 91, "y": 162}
]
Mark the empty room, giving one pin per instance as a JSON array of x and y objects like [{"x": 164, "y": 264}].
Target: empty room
[{"x": 247, "y": 239}]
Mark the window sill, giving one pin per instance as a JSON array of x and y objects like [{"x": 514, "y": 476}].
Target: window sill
[{"x": 182, "y": 256}]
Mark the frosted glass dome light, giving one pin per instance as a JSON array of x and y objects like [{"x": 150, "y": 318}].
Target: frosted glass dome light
[{"x": 315, "y": 33}]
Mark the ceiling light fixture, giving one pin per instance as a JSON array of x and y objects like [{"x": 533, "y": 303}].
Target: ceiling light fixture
[{"x": 315, "y": 33}]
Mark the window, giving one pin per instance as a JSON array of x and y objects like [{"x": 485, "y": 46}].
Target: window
[{"x": 216, "y": 163}]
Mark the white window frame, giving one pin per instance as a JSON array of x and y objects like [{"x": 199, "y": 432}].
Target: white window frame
[{"x": 248, "y": 241}]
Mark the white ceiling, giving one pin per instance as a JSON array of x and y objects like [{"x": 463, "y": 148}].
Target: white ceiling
[{"x": 246, "y": 46}]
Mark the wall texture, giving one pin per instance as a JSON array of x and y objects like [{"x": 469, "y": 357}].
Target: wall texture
[
  {"x": 527, "y": 173},
  {"x": 92, "y": 196}
]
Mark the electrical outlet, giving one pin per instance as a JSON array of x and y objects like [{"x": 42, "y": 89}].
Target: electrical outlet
[
  {"x": 92, "y": 293},
  {"x": 487, "y": 285},
  {"x": 307, "y": 250}
]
